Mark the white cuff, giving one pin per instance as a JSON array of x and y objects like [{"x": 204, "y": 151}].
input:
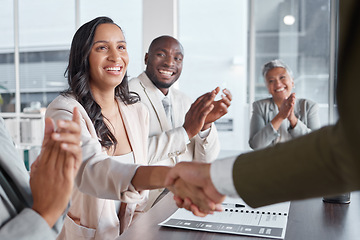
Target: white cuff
[
  {"x": 221, "y": 173},
  {"x": 205, "y": 133},
  {"x": 186, "y": 136}
]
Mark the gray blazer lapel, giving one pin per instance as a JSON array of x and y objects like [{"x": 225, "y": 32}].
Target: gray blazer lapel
[
  {"x": 273, "y": 110},
  {"x": 13, "y": 165},
  {"x": 297, "y": 109}
]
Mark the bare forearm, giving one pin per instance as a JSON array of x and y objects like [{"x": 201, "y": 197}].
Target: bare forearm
[{"x": 150, "y": 177}]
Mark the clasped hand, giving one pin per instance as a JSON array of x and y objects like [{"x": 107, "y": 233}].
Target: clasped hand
[
  {"x": 52, "y": 174},
  {"x": 287, "y": 106},
  {"x": 286, "y": 110},
  {"x": 193, "y": 189}
]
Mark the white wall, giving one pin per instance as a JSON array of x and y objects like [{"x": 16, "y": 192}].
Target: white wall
[{"x": 159, "y": 18}]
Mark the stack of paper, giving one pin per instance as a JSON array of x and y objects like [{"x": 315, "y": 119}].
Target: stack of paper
[{"x": 237, "y": 218}]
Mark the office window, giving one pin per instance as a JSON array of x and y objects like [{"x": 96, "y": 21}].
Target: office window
[
  {"x": 218, "y": 38},
  {"x": 45, "y": 32},
  {"x": 46, "y": 28},
  {"x": 214, "y": 36},
  {"x": 128, "y": 15},
  {"x": 298, "y": 32},
  {"x": 7, "y": 67}
]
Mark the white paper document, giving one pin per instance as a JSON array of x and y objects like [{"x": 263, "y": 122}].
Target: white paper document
[{"x": 237, "y": 218}]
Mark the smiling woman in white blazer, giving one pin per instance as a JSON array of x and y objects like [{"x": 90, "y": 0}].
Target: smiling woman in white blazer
[{"x": 111, "y": 180}]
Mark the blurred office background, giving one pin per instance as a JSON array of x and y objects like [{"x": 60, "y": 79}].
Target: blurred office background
[{"x": 226, "y": 43}]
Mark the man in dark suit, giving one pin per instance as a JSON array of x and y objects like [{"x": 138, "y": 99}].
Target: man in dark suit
[{"x": 324, "y": 162}]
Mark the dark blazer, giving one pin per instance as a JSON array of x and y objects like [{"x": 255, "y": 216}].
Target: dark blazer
[{"x": 326, "y": 161}]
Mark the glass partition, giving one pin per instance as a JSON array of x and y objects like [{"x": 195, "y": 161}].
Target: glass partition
[
  {"x": 128, "y": 15},
  {"x": 32, "y": 65},
  {"x": 45, "y": 32},
  {"x": 227, "y": 42},
  {"x": 298, "y": 32},
  {"x": 7, "y": 66},
  {"x": 214, "y": 37}
]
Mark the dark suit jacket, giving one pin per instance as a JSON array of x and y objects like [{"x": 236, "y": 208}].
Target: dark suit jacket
[{"x": 324, "y": 162}]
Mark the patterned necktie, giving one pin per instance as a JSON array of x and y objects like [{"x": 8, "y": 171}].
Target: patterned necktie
[{"x": 167, "y": 107}]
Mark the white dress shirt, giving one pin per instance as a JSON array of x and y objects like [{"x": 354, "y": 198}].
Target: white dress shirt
[{"x": 221, "y": 172}]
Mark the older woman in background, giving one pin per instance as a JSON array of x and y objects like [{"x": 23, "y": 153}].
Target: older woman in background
[{"x": 281, "y": 117}]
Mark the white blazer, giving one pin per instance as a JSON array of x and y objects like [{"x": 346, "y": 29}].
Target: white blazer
[
  {"x": 102, "y": 176},
  {"x": 165, "y": 142},
  {"x": 167, "y": 145}
]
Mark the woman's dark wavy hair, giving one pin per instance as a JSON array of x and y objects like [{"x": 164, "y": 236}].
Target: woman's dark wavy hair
[{"x": 78, "y": 75}]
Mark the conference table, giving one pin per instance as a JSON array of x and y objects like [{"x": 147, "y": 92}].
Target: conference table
[{"x": 308, "y": 219}]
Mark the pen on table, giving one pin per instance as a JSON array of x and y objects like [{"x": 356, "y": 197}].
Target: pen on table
[{"x": 236, "y": 205}]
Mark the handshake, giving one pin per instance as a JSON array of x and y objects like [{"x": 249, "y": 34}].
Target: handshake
[{"x": 193, "y": 189}]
